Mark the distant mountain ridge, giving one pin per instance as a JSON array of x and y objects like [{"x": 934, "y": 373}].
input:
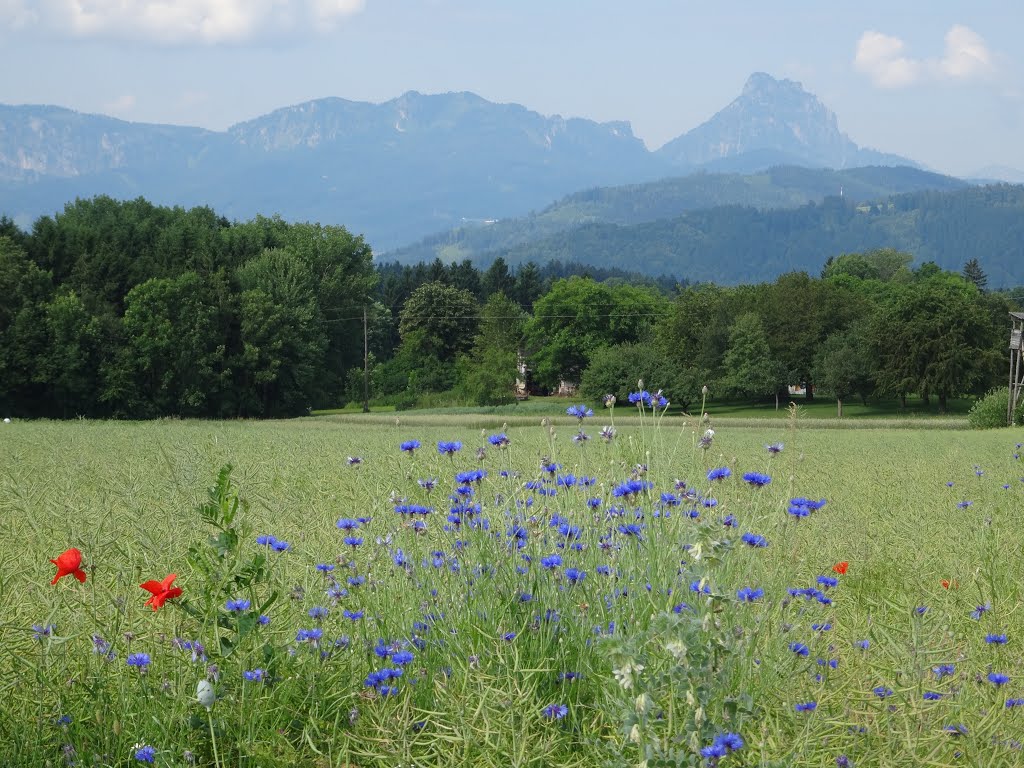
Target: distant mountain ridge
[
  {"x": 398, "y": 170},
  {"x": 773, "y": 122}
]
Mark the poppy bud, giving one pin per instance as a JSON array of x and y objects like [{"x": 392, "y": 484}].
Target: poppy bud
[{"x": 205, "y": 694}]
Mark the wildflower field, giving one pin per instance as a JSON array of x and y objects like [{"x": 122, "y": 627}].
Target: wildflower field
[{"x": 421, "y": 593}]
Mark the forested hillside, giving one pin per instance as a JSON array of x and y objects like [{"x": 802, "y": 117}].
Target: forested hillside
[
  {"x": 777, "y": 187},
  {"x": 734, "y": 244}
]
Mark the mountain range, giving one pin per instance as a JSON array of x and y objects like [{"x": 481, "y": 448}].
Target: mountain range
[{"x": 401, "y": 170}]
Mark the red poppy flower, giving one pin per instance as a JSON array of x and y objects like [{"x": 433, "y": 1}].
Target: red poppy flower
[
  {"x": 841, "y": 568},
  {"x": 161, "y": 591},
  {"x": 69, "y": 563},
  {"x": 947, "y": 584}
]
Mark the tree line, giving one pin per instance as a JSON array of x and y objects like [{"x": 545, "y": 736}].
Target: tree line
[{"x": 130, "y": 310}]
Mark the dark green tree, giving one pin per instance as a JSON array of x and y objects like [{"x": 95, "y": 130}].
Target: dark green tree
[
  {"x": 488, "y": 373},
  {"x": 750, "y": 369},
  {"x": 282, "y": 336},
  {"x": 973, "y": 273}
]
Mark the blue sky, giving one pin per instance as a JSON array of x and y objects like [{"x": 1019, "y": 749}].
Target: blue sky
[{"x": 936, "y": 80}]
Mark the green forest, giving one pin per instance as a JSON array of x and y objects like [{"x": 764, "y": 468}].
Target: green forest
[{"x": 131, "y": 310}]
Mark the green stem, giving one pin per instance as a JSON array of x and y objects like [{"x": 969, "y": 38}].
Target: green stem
[{"x": 213, "y": 738}]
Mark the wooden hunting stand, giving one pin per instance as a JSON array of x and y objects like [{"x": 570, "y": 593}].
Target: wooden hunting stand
[{"x": 1016, "y": 367}]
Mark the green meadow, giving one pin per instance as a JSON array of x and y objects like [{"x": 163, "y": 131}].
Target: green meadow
[{"x": 566, "y": 602}]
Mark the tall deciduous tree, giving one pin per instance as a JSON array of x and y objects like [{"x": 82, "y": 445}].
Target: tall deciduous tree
[
  {"x": 579, "y": 315},
  {"x": 750, "y": 369},
  {"x": 281, "y": 329},
  {"x": 489, "y": 371}
]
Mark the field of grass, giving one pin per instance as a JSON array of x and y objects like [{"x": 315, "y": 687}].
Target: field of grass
[
  {"x": 916, "y": 412},
  {"x": 499, "y": 654}
]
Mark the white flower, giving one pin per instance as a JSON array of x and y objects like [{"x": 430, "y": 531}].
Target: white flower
[
  {"x": 624, "y": 674},
  {"x": 205, "y": 694}
]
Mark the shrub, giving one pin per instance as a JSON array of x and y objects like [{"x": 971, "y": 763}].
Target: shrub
[{"x": 990, "y": 411}]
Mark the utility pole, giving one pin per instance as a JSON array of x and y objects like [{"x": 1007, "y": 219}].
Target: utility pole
[{"x": 366, "y": 365}]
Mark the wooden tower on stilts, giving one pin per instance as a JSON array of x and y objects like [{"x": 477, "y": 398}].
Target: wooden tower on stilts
[{"x": 1016, "y": 366}]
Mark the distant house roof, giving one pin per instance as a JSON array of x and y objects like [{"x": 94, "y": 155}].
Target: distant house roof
[{"x": 1017, "y": 315}]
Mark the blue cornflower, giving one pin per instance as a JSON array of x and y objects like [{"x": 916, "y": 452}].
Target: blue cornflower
[
  {"x": 799, "y": 649},
  {"x": 695, "y": 586},
  {"x": 551, "y": 561},
  {"x": 525, "y": 597},
  {"x": 921, "y": 610},
  {"x": 509, "y": 637},
  {"x": 409, "y": 446},
  {"x": 798, "y": 511},
  {"x": 729, "y": 521},
  {"x": 140, "y": 660},
  {"x": 555, "y": 711},
  {"x": 754, "y": 540},
  {"x": 963, "y": 504},
  {"x": 145, "y": 754},
  {"x": 575, "y": 575},
  {"x": 882, "y": 692},
  {"x": 579, "y": 411},
  {"x": 263, "y": 620},
  {"x": 266, "y": 540},
  {"x": 955, "y": 730},
  {"x": 640, "y": 398},
  {"x": 449, "y": 448},
  {"x": 775, "y": 447},
  {"x": 353, "y": 541},
  {"x": 309, "y": 635},
  {"x": 325, "y": 567},
  {"x": 998, "y": 678},
  {"x": 749, "y": 594},
  {"x": 828, "y": 581},
  {"x": 944, "y": 670},
  {"x": 348, "y": 524},
  {"x": 731, "y": 741},
  {"x": 499, "y": 440},
  {"x": 471, "y": 476},
  {"x": 353, "y": 615},
  {"x": 401, "y": 658},
  {"x": 719, "y": 473},
  {"x": 1011, "y": 703},
  {"x": 807, "y": 706},
  {"x": 931, "y": 696},
  {"x": 255, "y": 675},
  {"x": 979, "y": 610},
  {"x": 39, "y": 631},
  {"x": 996, "y": 639},
  {"x": 756, "y": 479},
  {"x": 713, "y": 751},
  {"x": 317, "y": 612},
  {"x": 237, "y": 606},
  {"x": 821, "y": 627},
  {"x": 280, "y": 546},
  {"x": 863, "y": 644}
]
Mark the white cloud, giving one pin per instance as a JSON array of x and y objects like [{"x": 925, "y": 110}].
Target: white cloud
[
  {"x": 180, "y": 21},
  {"x": 966, "y": 54},
  {"x": 882, "y": 58}
]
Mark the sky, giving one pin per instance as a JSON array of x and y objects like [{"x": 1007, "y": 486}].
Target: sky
[{"x": 938, "y": 81}]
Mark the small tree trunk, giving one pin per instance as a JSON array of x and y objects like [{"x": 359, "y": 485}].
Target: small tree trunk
[
  {"x": 903, "y": 400},
  {"x": 839, "y": 407},
  {"x": 942, "y": 402},
  {"x": 776, "y": 399}
]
